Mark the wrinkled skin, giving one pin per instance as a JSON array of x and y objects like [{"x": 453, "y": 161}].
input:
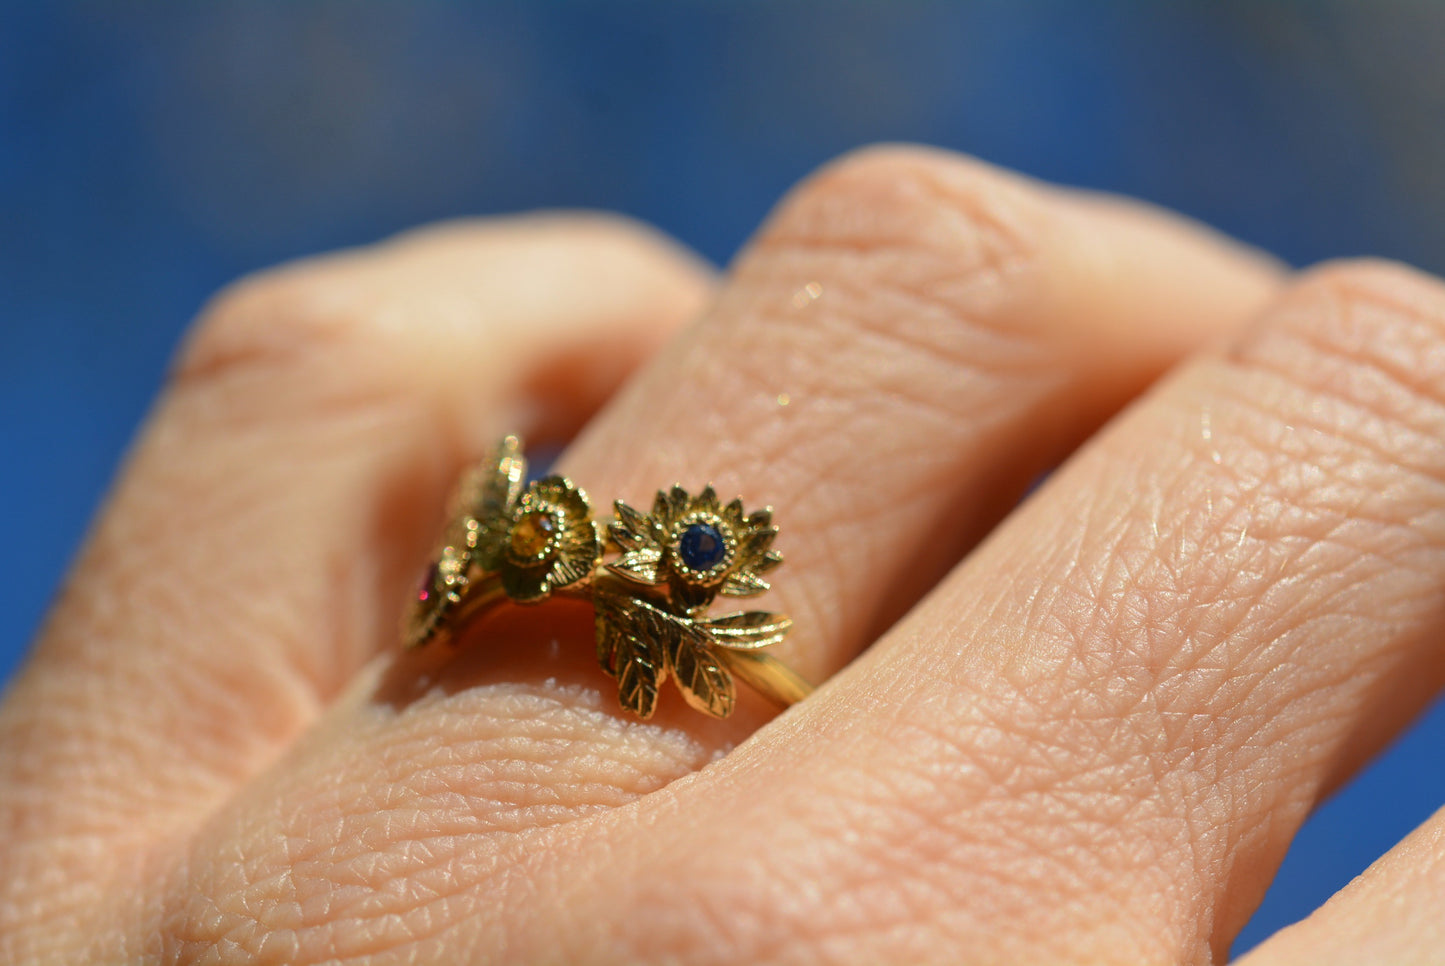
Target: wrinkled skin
[{"x": 1087, "y": 738}]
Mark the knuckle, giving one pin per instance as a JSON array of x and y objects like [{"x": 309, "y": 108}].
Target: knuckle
[
  {"x": 936, "y": 229},
  {"x": 1340, "y": 393},
  {"x": 583, "y": 231},
  {"x": 1366, "y": 333},
  {"x": 373, "y": 299},
  {"x": 273, "y": 315},
  {"x": 593, "y": 246}
]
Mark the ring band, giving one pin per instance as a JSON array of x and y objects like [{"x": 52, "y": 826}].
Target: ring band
[{"x": 510, "y": 542}]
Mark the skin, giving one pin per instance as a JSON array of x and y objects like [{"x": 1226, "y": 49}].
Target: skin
[{"x": 1082, "y": 729}]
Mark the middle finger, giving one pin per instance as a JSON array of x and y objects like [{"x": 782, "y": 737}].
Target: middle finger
[{"x": 1095, "y": 740}]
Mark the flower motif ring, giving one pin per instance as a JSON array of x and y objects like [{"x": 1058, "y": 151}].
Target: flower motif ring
[{"x": 651, "y": 577}]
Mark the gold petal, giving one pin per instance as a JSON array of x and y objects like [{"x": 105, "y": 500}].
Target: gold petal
[
  {"x": 766, "y": 562},
  {"x": 758, "y": 543},
  {"x": 491, "y": 547},
  {"x": 677, "y": 501},
  {"x": 661, "y": 509},
  {"x": 733, "y": 513},
  {"x": 633, "y": 523},
  {"x": 743, "y": 584},
  {"x": 547, "y": 490},
  {"x": 568, "y": 568},
  {"x": 660, "y": 531},
  {"x": 623, "y": 537},
  {"x": 563, "y": 494},
  {"x": 707, "y": 500},
  {"x": 760, "y": 519},
  {"x": 580, "y": 537},
  {"x": 479, "y": 512},
  {"x": 575, "y": 503}
]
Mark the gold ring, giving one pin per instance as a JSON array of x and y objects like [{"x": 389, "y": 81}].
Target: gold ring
[{"x": 510, "y": 542}]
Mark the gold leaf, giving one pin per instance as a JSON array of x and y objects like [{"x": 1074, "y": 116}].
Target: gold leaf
[
  {"x": 638, "y": 566},
  {"x": 760, "y": 519},
  {"x": 609, "y": 638},
  {"x": 748, "y": 630},
  {"x": 631, "y": 528},
  {"x": 687, "y": 651},
  {"x": 628, "y": 651},
  {"x": 637, "y": 677},
  {"x": 704, "y": 682},
  {"x": 707, "y": 499}
]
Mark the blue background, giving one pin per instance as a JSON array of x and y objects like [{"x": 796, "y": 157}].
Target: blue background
[{"x": 151, "y": 152}]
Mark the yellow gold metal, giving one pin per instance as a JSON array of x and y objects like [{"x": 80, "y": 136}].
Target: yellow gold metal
[{"x": 506, "y": 543}]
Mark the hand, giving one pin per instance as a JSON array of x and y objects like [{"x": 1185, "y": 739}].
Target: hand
[{"x": 1090, "y": 741}]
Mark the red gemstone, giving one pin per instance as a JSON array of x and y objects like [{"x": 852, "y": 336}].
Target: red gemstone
[{"x": 428, "y": 584}]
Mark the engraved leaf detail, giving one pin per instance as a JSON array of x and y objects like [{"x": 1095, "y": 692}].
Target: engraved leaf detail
[
  {"x": 748, "y": 630},
  {"x": 637, "y": 677},
  {"x": 744, "y": 584},
  {"x": 703, "y": 681},
  {"x": 639, "y": 566},
  {"x": 628, "y": 652},
  {"x": 632, "y": 529}
]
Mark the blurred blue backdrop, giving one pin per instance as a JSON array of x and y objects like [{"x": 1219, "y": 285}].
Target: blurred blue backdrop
[{"x": 151, "y": 152}]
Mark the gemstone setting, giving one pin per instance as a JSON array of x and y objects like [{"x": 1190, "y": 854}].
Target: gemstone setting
[
  {"x": 533, "y": 535},
  {"x": 701, "y": 547},
  {"x": 428, "y": 586}
]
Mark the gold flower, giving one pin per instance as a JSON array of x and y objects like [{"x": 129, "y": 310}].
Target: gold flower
[
  {"x": 549, "y": 542},
  {"x": 651, "y": 622},
  {"x": 695, "y": 546},
  {"x": 532, "y": 540},
  {"x": 477, "y": 512}
]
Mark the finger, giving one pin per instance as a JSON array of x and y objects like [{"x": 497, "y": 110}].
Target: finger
[
  {"x": 1095, "y": 740},
  {"x": 967, "y": 327},
  {"x": 912, "y": 338},
  {"x": 246, "y": 563},
  {"x": 1394, "y": 913}
]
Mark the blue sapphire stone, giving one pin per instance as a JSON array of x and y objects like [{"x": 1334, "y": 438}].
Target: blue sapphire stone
[{"x": 701, "y": 547}]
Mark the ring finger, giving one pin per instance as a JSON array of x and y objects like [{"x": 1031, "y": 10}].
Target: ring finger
[{"x": 1094, "y": 741}]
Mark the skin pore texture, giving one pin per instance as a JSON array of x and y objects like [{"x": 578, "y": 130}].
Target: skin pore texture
[{"x": 1078, "y": 729}]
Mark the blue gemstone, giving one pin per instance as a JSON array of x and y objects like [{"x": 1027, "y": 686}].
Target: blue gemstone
[{"x": 701, "y": 547}]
